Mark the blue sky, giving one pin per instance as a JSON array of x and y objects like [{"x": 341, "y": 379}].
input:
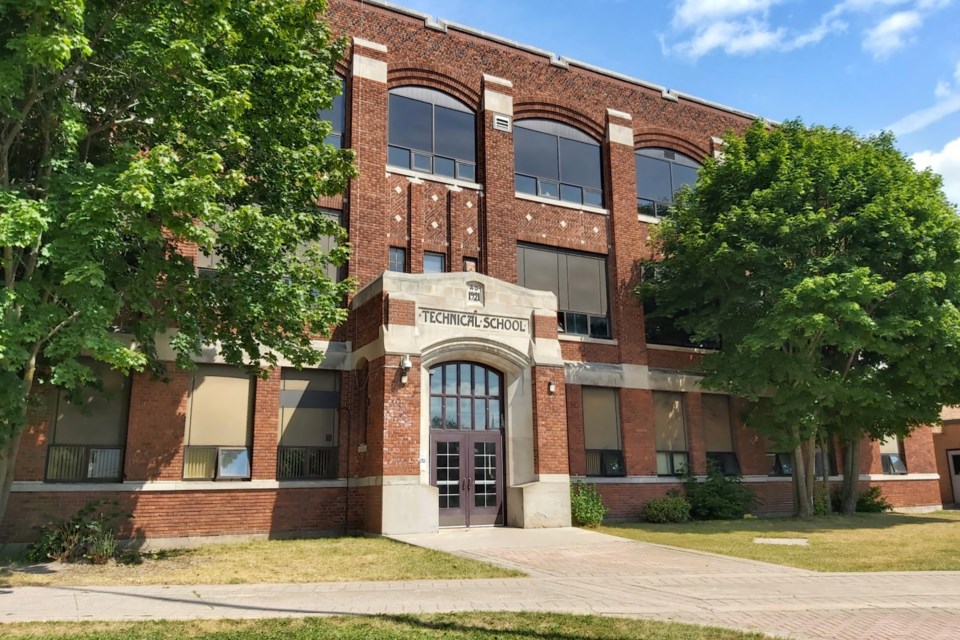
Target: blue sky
[{"x": 863, "y": 64}]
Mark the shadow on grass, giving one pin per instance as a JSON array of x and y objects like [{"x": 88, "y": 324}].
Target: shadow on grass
[{"x": 808, "y": 525}]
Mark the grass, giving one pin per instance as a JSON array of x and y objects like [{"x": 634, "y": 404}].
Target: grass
[
  {"x": 864, "y": 542},
  {"x": 263, "y": 561},
  {"x": 460, "y": 626}
]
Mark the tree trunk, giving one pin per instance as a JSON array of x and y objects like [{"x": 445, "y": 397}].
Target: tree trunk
[
  {"x": 8, "y": 456},
  {"x": 851, "y": 477},
  {"x": 8, "y": 462},
  {"x": 802, "y": 504},
  {"x": 825, "y": 481},
  {"x": 811, "y": 453}
]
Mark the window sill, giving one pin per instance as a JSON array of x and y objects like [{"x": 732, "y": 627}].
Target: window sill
[
  {"x": 431, "y": 177},
  {"x": 560, "y": 203},
  {"x": 586, "y": 339},
  {"x": 668, "y": 347},
  {"x": 648, "y": 219}
]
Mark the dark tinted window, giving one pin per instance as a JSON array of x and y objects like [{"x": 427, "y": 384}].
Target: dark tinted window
[
  {"x": 660, "y": 174},
  {"x": 336, "y": 115},
  {"x": 411, "y": 124},
  {"x": 431, "y": 132},
  {"x": 556, "y": 161},
  {"x": 579, "y": 281}
]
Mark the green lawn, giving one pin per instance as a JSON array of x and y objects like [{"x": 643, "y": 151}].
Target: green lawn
[
  {"x": 864, "y": 542},
  {"x": 460, "y": 626},
  {"x": 262, "y": 561}
]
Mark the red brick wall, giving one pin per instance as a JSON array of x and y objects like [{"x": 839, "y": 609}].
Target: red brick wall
[
  {"x": 266, "y": 426},
  {"x": 156, "y": 426},
  {"x": 576, "y": 439},
  {"x": 550, "y": 446},
  {"x": 636, "y": 430},
  {"x": 948, "y": 439},
  {"x": 37, "y": 436},
  {"x": 160, "y": 514}
]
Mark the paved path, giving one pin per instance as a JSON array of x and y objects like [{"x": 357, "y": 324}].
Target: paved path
[{"x": 571, "y": 570}]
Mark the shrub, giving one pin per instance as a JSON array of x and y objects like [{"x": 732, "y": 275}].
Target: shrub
[
  {"x": 586, "y": 504},
  {"x": 88, "y": 536},
  {"x": 671, "y": 508},
  {"x": 719, "y": 496},
  {"x": 870, "y": 501}
]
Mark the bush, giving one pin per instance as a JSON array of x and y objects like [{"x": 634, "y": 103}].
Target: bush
[
  {"x": 719, "y": 496},
  {"x": 870, "y": 501},
  {"x": 586, "y": 505},
  {"x": 88, "y": 536},
  {"x": 671, "y": 508}
]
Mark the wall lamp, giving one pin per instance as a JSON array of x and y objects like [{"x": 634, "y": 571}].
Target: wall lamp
[
  {"x": 551, "y": 387},
  {"x": 405, "y": 365}
]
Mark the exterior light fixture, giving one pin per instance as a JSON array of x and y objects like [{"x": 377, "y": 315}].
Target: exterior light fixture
[
  {"x": 551, "y": 387},
  {"x": 405, "y": 365}
]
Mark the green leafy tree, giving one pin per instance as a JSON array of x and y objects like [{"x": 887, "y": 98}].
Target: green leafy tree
[
  {"x": 132, "y": 133},
  {"x": 829, "y": 267}
]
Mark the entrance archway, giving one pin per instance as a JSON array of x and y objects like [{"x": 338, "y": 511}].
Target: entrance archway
[{"x": 466, "y": 443}]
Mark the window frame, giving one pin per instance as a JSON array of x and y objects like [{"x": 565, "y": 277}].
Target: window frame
[
  {"x": 219, "y": 449},
  {"x": 658, "y": 207},
  {"x": 610, "y": 462},
  {"x": 559, "y": 131},
  {"x": 435, "y": 255},
  {"x": 493, "y": 421},
  {"x": 394, "y": 252},
  {"x": 726, "y": 460},
  {"x": 781, "y": 464},
  {"x": 565, "y": 316},
  {"x": 90, "y": 451},
  {"x": 893, "y": 464},
  {"x": 670, "y": 456},
  {"x": 464, "y": 169},
  {"x": 336, "y": 136}
]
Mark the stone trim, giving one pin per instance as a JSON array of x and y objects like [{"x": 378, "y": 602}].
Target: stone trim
[
  {"x": 172, "y": 485},
  {"x": 560, "y": 203},
  {"x": 418, "y": 178},
  {"x": 369, "y": 68}
]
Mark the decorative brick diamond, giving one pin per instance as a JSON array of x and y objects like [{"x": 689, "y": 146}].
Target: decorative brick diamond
[
  {"x": 529, "y": 217},
  {"x": 398, "y": 217},
  {"x": 469, "y": 231},
  {"x": 434, "y": 224},
  {"x": 434, "y": 197},
  {"x": 398, "y": 189},
  {"x": 563, "y": 223},
  {"x": 469, "y": 205}
]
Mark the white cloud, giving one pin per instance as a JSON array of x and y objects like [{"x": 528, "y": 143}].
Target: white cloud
[
  {"x": 891, "y": 34},
  {"x": 731, "y": 37},
  {"x": 946, "y": 162},
  {"x": 743, "y": 27},
  {"x": 947, "y": 102},
  {"x": 691, "y": 13}
]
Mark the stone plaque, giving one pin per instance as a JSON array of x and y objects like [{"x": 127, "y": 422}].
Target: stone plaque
[{"x": 475, "y": 293}]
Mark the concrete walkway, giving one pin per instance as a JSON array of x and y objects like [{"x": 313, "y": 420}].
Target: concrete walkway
[{"x": 571, "y": 570}]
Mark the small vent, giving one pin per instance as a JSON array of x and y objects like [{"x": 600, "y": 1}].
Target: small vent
[
  {"x": 501, "y": 122},
  {"x": 669, "y": 155}
]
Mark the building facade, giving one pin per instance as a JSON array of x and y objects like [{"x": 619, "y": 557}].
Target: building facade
[{"x": 494, "y": 349}]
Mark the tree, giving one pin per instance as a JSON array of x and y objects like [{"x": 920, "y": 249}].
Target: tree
[
  {"x": 829, "y": 269},
  {"x": 132, "y": 133}
]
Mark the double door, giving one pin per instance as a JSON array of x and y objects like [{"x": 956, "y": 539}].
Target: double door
[{"x": 468, "y": 471}]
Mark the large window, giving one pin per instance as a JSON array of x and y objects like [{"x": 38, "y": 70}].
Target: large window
[
  {"x": 719, "y": 434},
  {"x": 218, "y": 424},
  {"x": 601, "y": 432},
  {"x": 465, "y": 396},
  {"x": 328, "y": 243},
  {"x": 670, "y": 430},
  {"x": 308, "y": 424},
  {"x": 89, "y": 433},
  {"x": 578, "y": 279},
  {"x": 891, "y": 456},
  {"x": 336, "y": 115},
  {"x": 660, "y": 174},
  {"x": 432, "y": 132},
  {"x": 554, "y": 160}
]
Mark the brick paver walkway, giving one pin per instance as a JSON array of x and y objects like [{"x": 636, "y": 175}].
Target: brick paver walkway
[{"x": 571, "y": 571}]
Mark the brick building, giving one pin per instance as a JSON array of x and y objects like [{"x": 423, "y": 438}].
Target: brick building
[{"x": 493, "y": 350}]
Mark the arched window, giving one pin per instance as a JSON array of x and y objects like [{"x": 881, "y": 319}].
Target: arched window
[
  {"x": 660, "y": 174},
  {"x": 554, "y": 160},
  {"x": 336, "y": 115},
  {"x": 464, "y": 395},
  {"x": 431, "y": 132}
]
